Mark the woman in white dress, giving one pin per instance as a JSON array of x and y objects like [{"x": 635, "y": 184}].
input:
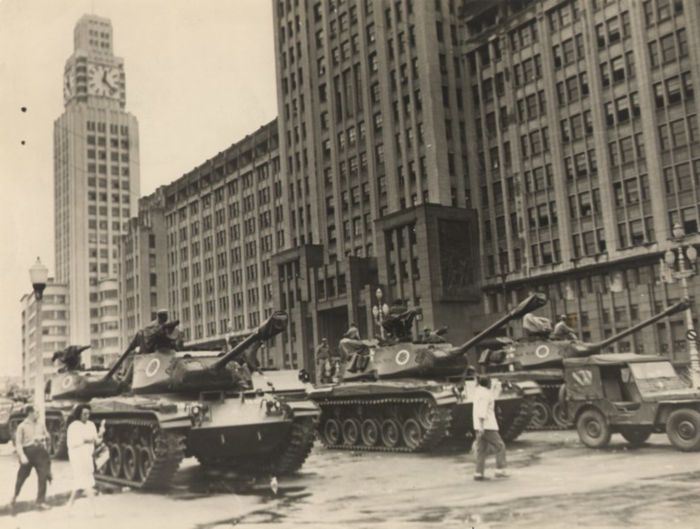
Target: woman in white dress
[{"x": 82, "y": 436}]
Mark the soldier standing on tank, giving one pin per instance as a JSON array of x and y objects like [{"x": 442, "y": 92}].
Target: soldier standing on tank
[
  {"x": 322, "y": 354},
  {"x": 486, "y": 428}
]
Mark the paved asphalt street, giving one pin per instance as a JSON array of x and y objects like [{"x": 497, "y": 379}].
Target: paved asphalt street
[{"x": 555, "y": 482}]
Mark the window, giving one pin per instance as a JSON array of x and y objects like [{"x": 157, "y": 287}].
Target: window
[
  {"x": 678, "y": 135},
  {"x": 673, "y": 90},
  {"x": 668, "y": 48}
]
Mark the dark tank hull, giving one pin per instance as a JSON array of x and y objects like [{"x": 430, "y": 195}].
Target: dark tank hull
[
  {"x": 148, "y": 436},
  {"x": 407, "y": 415}
]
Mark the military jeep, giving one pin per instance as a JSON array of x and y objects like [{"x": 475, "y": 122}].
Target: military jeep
[{"x": 633, "y": 395}]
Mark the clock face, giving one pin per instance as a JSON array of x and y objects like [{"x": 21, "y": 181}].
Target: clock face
[{"x": 103, "y": 81}]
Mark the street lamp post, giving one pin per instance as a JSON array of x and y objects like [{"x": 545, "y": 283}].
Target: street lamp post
[
  {"x": 685, "y": 271},
  {"x": 379, "y": 311},
  {"x": 38, "y": 275}
]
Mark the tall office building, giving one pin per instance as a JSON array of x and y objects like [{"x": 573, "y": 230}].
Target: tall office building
[
  {"x": 223, "y": 222},
  {"x": 96, "y": 185},
  {"x": 143, "y": 270},
  {"x": 373, "y": 148},
  {"x": 53, "y": 329},
  {"x": 584, "y": 151}
]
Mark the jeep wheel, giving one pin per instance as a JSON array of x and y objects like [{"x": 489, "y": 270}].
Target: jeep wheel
[
  {"x": 636, "y": 436},
  {"x": 683, "y": 429},
  {"x": 593, "y": 429}
]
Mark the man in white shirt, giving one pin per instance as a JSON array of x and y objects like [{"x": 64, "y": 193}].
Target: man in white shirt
[{"x": 486, "y": 428}]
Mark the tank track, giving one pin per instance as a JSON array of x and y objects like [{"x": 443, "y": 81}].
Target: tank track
[
  {"x": 299, "y": 445},
  {"x": 167, "y": 448},
  {"x": 551, "y": 424},
  {"x": 520, "y": 422},
  {"x": 436, "y": 432},
  {"x": 286, "y": 460}
]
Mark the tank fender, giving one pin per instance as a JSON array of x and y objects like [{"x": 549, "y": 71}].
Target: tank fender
[
  {"x": 528, "y": 387},
  {"x": 303, "y": 408}
]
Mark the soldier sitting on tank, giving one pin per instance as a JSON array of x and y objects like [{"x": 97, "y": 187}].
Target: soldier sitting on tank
[
  {"x": 536, "y": 327},
  {"x": 562, "y": 331},
  {"x": 159, "y": 335},
  {"x": 69, "y": 358},
  {"x": 353, "y": 350},
  {"x": 399, "y": 322}
]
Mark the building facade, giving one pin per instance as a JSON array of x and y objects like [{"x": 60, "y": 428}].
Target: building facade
[
  {"x": 373, "y": 149},
  {"x": 96, "y": 177},
  {"x": 223, "y": 223},
  {"x": 143, "y": 271},
  {"x": 53, "y": 328},
  {"x": 584, "y": 151}
]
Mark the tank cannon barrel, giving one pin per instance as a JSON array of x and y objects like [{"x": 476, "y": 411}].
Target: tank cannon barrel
[
  {"x": 274, "y": 325},
  {"x": 589, "y": 349},
  {"x": 530, "y": 303}
]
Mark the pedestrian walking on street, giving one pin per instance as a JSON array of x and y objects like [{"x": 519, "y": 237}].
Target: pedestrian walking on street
[
  {"x": 31, "y": 443},
  {"x": 486, "y": 427},
  {"x": 82, "y": 436}
]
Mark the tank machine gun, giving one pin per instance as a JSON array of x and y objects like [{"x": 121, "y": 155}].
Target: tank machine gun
[
  {"x": 201, "y": 403},
  {"x": 542, "y": 360},
  {"x": 401, "y": 395}
]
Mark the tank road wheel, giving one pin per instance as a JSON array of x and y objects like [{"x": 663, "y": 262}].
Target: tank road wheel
[
  {"x": 130, "y": 461},
  {"x": 593, "y": 429},
  {"x": 390, "y": 432},
  {"x": 369, "y": 432},
  {"x": 636, "y": 436},
  {"x": 683, "y": 429},
  {"x": 411, "y": 433},
  {"x": 145, "y": 462},
  {"x": 351, "y": 431},
  {"x": 559, "y": 415},
  {"x": 115, "y": 460},
  {"x": 331, "y": 432},
  {"x": 426, "y": 415},
  {"x": 541, "y": 413}
]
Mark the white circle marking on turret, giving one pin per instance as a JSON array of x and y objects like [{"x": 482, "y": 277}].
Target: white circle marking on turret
[
  {"x": 542, "y": 351},
  {"x": 402, "y": 357},
  {"x": 152, "y": 367},
  {"x": 67, "y": 381}
]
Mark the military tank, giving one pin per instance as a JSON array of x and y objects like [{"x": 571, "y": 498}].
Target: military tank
[
  {"x": 402, "y": 395},
  {"x": 58, "y": 410},
  {"x": 541, "y": 359},
  {"x": 179, "y": 403}
]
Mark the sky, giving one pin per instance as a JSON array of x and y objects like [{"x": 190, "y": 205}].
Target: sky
[{"x": 200, "y": 75}]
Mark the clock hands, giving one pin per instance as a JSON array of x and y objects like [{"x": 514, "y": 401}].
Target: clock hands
[{"x": 106, "y": 82}]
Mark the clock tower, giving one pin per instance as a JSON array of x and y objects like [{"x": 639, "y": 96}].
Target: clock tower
[{"x": 96, "y": 153}]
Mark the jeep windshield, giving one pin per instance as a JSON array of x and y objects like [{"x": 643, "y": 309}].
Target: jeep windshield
[{"x": 656, "y": 377}]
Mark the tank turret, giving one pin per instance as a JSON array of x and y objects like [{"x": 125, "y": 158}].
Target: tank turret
[
  {"x": 163, "y": 371},
  {"x": 402, "y": 357},
  {"x": 541, "y": 359},
  {"x": 75, "y": 382},
  {"x": 538, "y": 353}
]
